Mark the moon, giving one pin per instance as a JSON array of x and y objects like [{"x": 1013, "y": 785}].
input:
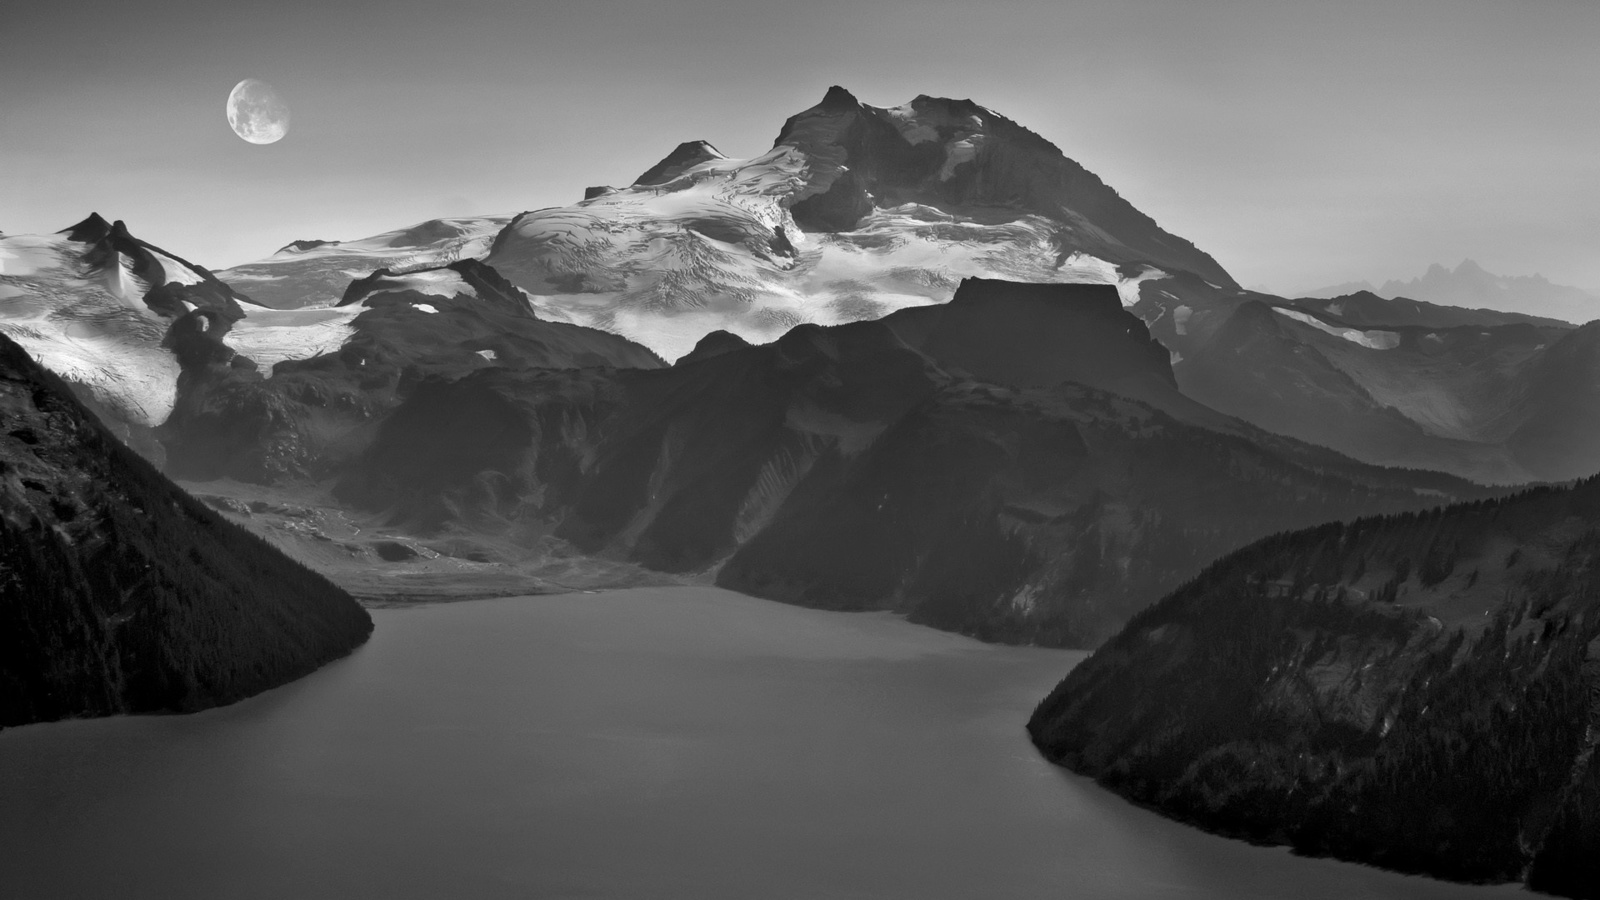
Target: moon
[{"x": 257, "y": 113}]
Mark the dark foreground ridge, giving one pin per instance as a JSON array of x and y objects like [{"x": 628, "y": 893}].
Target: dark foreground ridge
[
  {"x": 120, "y": 593},
  {"x": 1421, "y": 692}
]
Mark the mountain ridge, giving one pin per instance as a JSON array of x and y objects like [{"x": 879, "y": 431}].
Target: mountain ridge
[{"x": 1469, "y": 285}]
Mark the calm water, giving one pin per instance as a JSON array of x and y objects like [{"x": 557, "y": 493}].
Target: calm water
[{"x": 681, "y": 742}]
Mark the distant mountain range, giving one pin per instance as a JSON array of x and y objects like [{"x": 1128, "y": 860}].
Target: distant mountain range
[
  {"x": 1468, "y": 285},
  {"x": 1496, "y": 397}
]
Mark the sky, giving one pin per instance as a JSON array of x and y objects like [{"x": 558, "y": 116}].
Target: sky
[{"x": 1300, "y": 143}]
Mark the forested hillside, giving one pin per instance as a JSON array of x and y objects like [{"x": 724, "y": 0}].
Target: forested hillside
[
  {"x": 119, "y": 592},
  {"x": 1419, "y": 691}
]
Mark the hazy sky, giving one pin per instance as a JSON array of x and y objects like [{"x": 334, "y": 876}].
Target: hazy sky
[{"x": 1298, "y": 143}]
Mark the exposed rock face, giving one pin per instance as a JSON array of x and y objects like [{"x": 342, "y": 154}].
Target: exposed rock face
[
  {"x": 1418, "y": 692},
  {"x": 957, "y": 155},
  {"x": 849, "y": 467},
  {"x": 119, "y": 592}
]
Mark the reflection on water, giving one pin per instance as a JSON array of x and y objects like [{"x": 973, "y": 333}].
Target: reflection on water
[{"x": 665, "y": 742}]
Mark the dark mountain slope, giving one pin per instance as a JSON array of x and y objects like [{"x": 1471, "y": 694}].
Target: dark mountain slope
[
  {"x": 1420, "y": 691},
  {"x": 843, "y": 467},
  {"x": 314, "y": 414},
  {"x": 1039, "y": 335},
  {"x": 1443, "y": 398},
  {"x": 1557, "y": 430},
  {"x": 119, "y": 592}
]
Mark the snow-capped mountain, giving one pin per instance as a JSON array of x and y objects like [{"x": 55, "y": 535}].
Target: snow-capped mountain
[
  {"x": 855, "y": 212},
  {"x": 1469, "y": 285},
  {"x": 315, "y": 273},
  {"x": 102, "y": 309},
  {"x": 91, "y": 302}
]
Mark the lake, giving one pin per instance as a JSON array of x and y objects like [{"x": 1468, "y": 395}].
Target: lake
[{"x": 658, "y": 742}]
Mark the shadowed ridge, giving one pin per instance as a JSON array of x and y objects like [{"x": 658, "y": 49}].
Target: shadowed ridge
[
  {"x": 714, "y": 344},
  {"x": 168, "y": 295},
  {"x": 93, "y": 228},
  {"x": 1040, "y": 335},
  {"x": 301, "y": 246}
]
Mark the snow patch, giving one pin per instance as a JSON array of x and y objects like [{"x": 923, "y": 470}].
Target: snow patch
[
  {"x": 174, "y": 272},
  {"x": 959, "y": 152},
  {"x": 1128, "y": 288},
  {"x": 904, "y": 119},
  {"x": 1373, "y": 340},
  {"x": 29, "y": 254},
  {"x": 425, "y": 307},
  {"x": 318, "y": 276},
  {"x": 271, "y": 336},
  {"x": 89, "y": 326},
  {"x": 488, "y": 355}
]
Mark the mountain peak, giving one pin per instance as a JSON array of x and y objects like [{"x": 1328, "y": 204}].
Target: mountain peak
[
  {"x": 92, "y": 228},
  {"x": 686, "y": 156},
  {"x": 838, "y": 98},
  {"x": 302, "y": 246}
]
